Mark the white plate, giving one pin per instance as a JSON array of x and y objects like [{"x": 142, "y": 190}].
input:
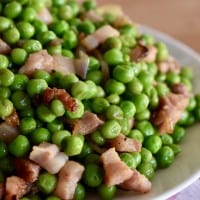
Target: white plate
[{"x": 186, "y": 168}]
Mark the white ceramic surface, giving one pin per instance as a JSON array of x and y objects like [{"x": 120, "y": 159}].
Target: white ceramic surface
[{"x": 186, "y": 168}]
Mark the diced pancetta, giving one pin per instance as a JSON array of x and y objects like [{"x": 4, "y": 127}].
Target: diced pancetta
[
  {"x": 125, "y": 144},
  {"x": 49, "y": 157},
  {"x": 68, "y": 178},
  {"x": 138, "y": 183},
  {"x": 116, "y": 171},
  {"x": 4, "y": 47}
]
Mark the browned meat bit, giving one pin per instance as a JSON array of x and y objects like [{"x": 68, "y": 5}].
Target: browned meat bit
[
  {"x": 40, "y": 60},
  {"x": 169, "y": 112},
  {"x": 87, "y": 124},
  {"x": 1, "y": 191},
  {"x": 116, "y": 171},
  {"x": 169, "y": 65},
  {"x": 13, "y": 119},
  {"x": 143, "y": 53},
  {"x": 68, "y": 178},
  {"x": 49, "y": 157},
  {"x": 4, "y": 47},
  {"x": 125, "y": 144},
  {"x": 51, "y": 93},
  {"x": 27, "y": 170},
  {"x": 180, "y": 88},
  {"x": 138, "y": 183},
  {"x": 16, "y": 188}
]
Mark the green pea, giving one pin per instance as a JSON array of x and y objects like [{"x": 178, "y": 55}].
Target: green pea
[
  {"x": 146, "y": 169},
  {"x": 146, "y": 128},
  {"x": 134, "y": 86},
  {"x": 65, "y": 12},
  {"x": 136, "y": 135},
  {"x": 113, "y": 57},
  {"x": 80, "y": 90},
  {"x": 78, "y": 113},
  {"x": 26, "y": 29},
  {"x": 46, "y": 37},
  {"x": 28, "y": 14},
  {"x": 39, "y": 26},
  {"x": 73, "y": 145},
  {"x": 11, "y": 35},
  {"x": 114, "y": 112},
  {"x": 26, "y": 113},
  {"x": 165, "y": 157},
  {"x": 95, "y": 75},
  {"x": 113, "y": 99},
  {"x": 70, "y": 39},
  {"x": 97, "y": 138},
  {"x": 128, "y": 159},
  {"x": 162, "y": 53},
  {"x": 114, "y": 87},
  {"x": 55, "y": 78},
  {"x": 144, "y": 115},
  {"x": 55, "y": 125},
  {"x": 153, "y": 163},
  {"x": 20, "y": 100},
  {"x": 176, "y": 148},
  {"x": 18, "y": 56},
  {"x": 6, "y": 108},
  {"x": 100, "y": 91},
  {"x": 93, "y": 175},
  {"x": 146, "y": 155},
  {"x": 141, "y": 102},
  {"x": 54, "y": 49},
  {"x": 20, "y": 82},
  {"x": 36, "y": 86},
  {"x": 32, "y": 46},
  {"x": 68, "y": 80},
  {"x": 12, "y": 9},
  {"x": 86, "y": 27},
  {"x": 44, "y": 114},
  {"x": 152, "y": 69},
  {"x": 172, "y": 78},
  {"x": 186, "y": 72},
  {"x": 166, "y": 139},
  {"x": 57, "y": 108},
  {"x": 94, "y": 64},
  {"x": 128, "y": 109},
  {"x": 42, "y": 74},
  {"x": 162, "y": 89},
  {"x": 147, "y": 39},
  {"x": 99, "y": 104},
  {"x": 58, "y": 2},
  {"x": 192, "y": 104},
  {"x": 59, "y": 27},
  {"x": 112, "y": 43},
  {"x": 89, "y": 4},
  {"x": 129, "y": 30},
  {"x": 58, "y": 137},
  {"x": 67, "y": 53},
  {"x": 40, "y": 135},
  {"x": 110, "y": 129},
  {"x": 4, "y": 62},
  {"x": 178, "y": 134},
  {"x": 187, "y": 83},
  {"x": 79, "y": 192},
  {"x": 128, "y": 41},
  {"x": 86, "y": 150},
  {"x": 146, "y": 78},
  {"x": 125, "y": 125},
  {"x": 37, "y": 5},
  {"x": 5, "y": 23},
  {"x": 107, "y": 192},
  {"x": 196, "y": 113},
  {"x": 3, "y": 150},
  {"x": 52, "y": 198},
  {"x": 46, "y": 182},
  {"x": 20, "y": 146},
  {"x": 160, "y": 77},
  {"x": 27, "y": 125},
  {"x": 153, "y": 143},
  {"x": 5, "y": 92},
  {"x": 92, "y": 91},
  {"x": 6, "y": 77},
  {"x": 138, "y": 158}
]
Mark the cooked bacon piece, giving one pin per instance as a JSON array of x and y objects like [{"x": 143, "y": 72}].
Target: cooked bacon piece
[
  {"x": 1, "y": 190},
  {"x": 93, "y": 16},
  {"x": 49, "y": 157},
  {"x": 125, "y": 144},
  {"x": 180, "y": 88},
  {"x": 45, "y": 16},
  {"x": 16, "y": 188},
  {"x": 13, "y": 119},
  {"x": 4, "y": 47},
  {"x": 39, "y": 60},
  {"x": 50, "y": 93},
  {"x": 116, "y": 171},
  {"x": 169, "y": 65},
  {"x": 27, "y": 169},
  {"x": 92, "y": 41},
  {"x": 87, "y": 124},
  {"x": 169, "y": 112},
  {"x": 144, "y": 53},
  {"x": 138, "y": 183},
  {"x": 68, "y": 178}
]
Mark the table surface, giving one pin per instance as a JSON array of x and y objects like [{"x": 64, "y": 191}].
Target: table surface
[{"x": 177, "y": 18}]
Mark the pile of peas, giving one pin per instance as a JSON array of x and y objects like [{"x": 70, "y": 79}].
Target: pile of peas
[{"x": 128, "y": 93}]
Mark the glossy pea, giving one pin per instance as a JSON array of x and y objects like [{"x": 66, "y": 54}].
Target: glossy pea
[
  {"x": 40, "y": 135},
  {"x": 96, "y": 76},
  {"x": 128, "y": 159},
  {"x": 27, "y": 125},
  {"x": 99, "y": 104},
  {"x": 44, "y": 114},
  {"x": 162, "y": 89},
  {"x": 144, "y": 115},
  {"x": 107, "y": 192},
  {"x": 5, "y": 23},
  {"x": 113, "y": 57},
  {"x": 162, "y": 53},
  {"x": 146, "y": 128},
  {"x": 55, "y": 125},
  {"x": 80, "y": 192},
  {"x": 39, "y": 26},
  {"x": 172, "y": 78},
  {"x": 86, "y": 27},
  {"x": 186, "y": 72},
  {"x": 128, "y": 109},
  {"x": 114, "y": 112},
  {"x": 42, "y": 74},
  {"x": 137, "y": 156},
  {"x": 166, "y": 139},
  {"x": 12, "y": 9},
  {"x": 5, "y": 92},
  {"x": 58, "y": 136},
  {"x": 153, "y": 143},
  {"x": 70, "y": 39},
  {"x": 26, "y": 29},
  {"x": 97, "y": 138},
  {"x": 4, "y": 62},
  {"x": 136, "y": 135},
  {"x": 134, "y": 86},
  {"x": 141, "y": 102},
  {"x": 146, "y": 155},
  {"x": 18, "y": 56},
  {"x": 178, "y": 134},
  {"x": 114, "y": 87},
  {"x": 59, "y": 27},
  {"x": 20, "y": 82},
  {"x": 11, "y": 35},
  {"x": 57, "y": 107},
  {"x": 6, "y": 107},
  {"x": 32, "y": 46},
  {"x": 146, "y": 169},
  {"x": 28, "y": 14},
  {"x": 176, "y": 148},
  {"x": 6, "y": 77}
]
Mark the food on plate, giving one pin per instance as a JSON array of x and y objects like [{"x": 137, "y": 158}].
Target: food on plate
[{"x": 88, "y": 103}]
